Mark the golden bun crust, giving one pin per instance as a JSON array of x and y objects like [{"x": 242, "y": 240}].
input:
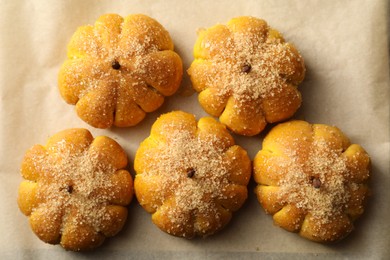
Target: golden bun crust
[
  {"x": 190, "y": 175},
  {"x": 75, "y": 189},
  {"x": 312, "y": 180},
  {"x": 119, "y": 69},
  {"x": 246, "y": 74}
]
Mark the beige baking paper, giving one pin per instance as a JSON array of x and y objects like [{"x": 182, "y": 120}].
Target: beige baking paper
[{"x": 345, "y": 47}]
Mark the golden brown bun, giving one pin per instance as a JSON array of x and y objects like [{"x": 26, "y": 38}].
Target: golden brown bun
[
  {"x": 312, "y": 180},
  {"x": 190, "y": 175},
  {"x": 75, "y": 190},
  {"x": 247, "y": 75},
  {"x": 119, "y": 69}
]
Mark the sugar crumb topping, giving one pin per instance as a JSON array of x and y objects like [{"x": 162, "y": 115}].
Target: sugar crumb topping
[
  {"x": 248, "y": 67},
  {"x": 75, "y": 187},
  {"x": 192, "y": 172},
  {"x": 317, "y": 185},
  {"x": 107, "y": 67}
]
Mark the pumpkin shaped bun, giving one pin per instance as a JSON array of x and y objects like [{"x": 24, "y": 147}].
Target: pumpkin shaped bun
[
  {"x": 119, "y": 69},
  {"x": 312, "y": 180},
  {"x": 190, "y": 175},
  {"x": 247, "y": 75},
  {"x": 76, "y": 189}
]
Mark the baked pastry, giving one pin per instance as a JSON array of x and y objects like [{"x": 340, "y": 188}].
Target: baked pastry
[
  {"x": 190, "y": 175},
  {"x": 312, "y": 180},
  {"x": 119, "y": 69},
  {"x": 247, "y": 75},
  {"x": 76, "y": 189}
]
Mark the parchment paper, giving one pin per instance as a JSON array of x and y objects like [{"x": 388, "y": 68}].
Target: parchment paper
[{"x": 344, "y": 44}]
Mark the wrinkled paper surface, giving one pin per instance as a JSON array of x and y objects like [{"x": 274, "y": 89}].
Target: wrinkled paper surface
[{"x": 345, "y": 47}]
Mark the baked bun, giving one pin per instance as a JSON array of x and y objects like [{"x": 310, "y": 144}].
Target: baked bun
[
  {"x": 247, "y": 75},
  {"x": 75, "y": 190},
  {"x": 190, "y": 175},
  {"x": 312, "y": 180},
  {"x": 119, "y": 69}
]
